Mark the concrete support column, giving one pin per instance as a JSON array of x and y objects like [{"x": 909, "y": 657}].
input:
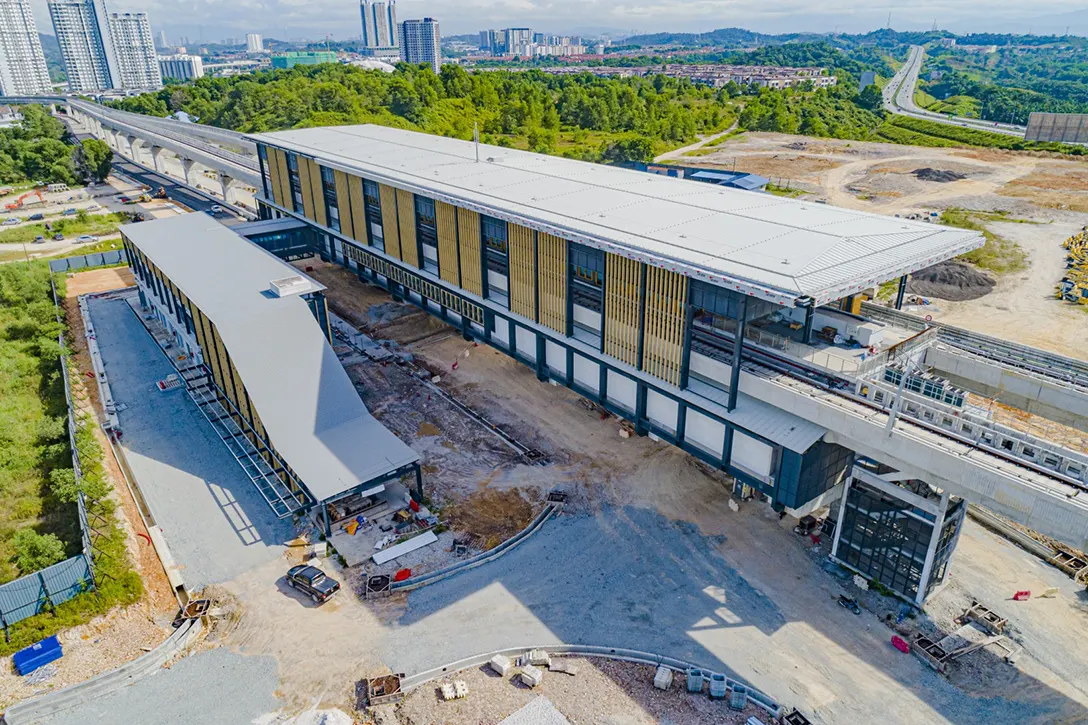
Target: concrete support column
[
  {"x": 901, "y": 293},
  {"x": 137, "y": 145},
  {"x": 806, "y": 331},
  {"x": 229, "y": 186},
  {"x": 130, "y": 143},
  {"x": 187, "y": 167},
  {"x": 158, "y": 157}
]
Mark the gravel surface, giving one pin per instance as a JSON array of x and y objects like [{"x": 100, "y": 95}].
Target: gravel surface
[
  {"x": 215, "y": 521},
  {"x": 90, "y": 649},
  {"x": 217, "y": 687},
  {"x": 602, "y": 692}
]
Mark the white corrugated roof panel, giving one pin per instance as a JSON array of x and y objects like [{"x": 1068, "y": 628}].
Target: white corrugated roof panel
[
  {"x": 771, "y": 247},
  {"x": 306, "y": 402}
]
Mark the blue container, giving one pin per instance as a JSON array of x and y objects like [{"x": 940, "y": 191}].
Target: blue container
[
  {"x": 41, "y": 653},
  {"x": 738, "y": 697}
]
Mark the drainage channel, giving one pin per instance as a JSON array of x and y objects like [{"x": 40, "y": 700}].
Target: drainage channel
[{"x": 350, "y": 336}]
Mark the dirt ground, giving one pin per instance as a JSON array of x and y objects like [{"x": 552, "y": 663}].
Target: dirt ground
[
  {"x": 98, "y": 280},
  {"x": 1050, "y": 191},
  {"x": 602, "y": 691}
]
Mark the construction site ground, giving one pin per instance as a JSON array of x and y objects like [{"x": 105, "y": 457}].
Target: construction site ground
[
  {"x": 1050, "y": 193},
  {"x": 602, "y": 691},
  {"x": 647, "y": 555}
]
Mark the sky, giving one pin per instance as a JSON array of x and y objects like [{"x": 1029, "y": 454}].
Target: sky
[{"x": 213, "y": 20}]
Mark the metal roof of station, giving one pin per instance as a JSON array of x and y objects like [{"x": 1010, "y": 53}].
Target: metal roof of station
[
  {"x": 305, "y": 400},
  {"x": 767, "y": 246}
]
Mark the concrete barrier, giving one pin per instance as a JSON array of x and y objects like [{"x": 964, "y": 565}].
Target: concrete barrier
[
  {"x": 772, "y": 706},
  {"x": 30, "y": 711}
]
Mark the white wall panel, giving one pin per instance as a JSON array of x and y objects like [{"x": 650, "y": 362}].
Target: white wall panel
[
  {"x": 526, "y": 342},
  {"x": 751, "y": 455},
  {"x": 622, "y": 390},
  {"x": 710, "y": 368},
  {"x": 501, "y": 332},
  {"x": 661, "y": 410},
  {"x": 704, "y": 432},
  {"x": 587, "y": 373},
  {"x": 556, "y": 357}
]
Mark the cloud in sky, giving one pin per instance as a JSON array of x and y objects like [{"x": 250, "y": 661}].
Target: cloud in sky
[{"x": 212, "y": 20}]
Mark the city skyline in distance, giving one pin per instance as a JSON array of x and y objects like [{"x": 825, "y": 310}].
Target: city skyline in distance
[{"x": 340, "y": 19}]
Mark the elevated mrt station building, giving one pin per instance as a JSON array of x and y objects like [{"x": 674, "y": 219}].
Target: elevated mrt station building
[{"x": 641, "y": 292}]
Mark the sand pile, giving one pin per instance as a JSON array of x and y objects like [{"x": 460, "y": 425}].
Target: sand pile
[
  {"x": 941, "y": 176},
  {"x": 950, "y": 280}
]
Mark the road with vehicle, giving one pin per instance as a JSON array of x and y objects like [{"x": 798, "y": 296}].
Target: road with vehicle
[
  {"x": 175, "y": 191},
  {"x": 899, "y": 99}
]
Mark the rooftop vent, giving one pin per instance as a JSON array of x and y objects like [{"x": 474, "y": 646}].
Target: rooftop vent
[{"x": 294, "y": 285}]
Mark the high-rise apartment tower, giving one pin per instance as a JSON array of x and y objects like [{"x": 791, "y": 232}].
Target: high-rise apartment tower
[
  {"x": 22, "y": 63},
  {"x": 419, "y": 42},
  {"x": 379, "y": 23}
]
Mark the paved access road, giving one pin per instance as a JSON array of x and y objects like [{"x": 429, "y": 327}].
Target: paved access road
[
  {"x": 899, "y": 98},
  {"x": 175, "y": 190}
]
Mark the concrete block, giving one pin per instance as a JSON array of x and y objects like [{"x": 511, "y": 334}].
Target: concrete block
[
  {"x": 733, "y": 505},
  {"x": 539, "y": 657},
  {"x": 663, "y": 678},
  {"x": 861, "y": 582},
  {"x": 501, "y": 664},
  {"x": 718, "y": 686},
  {"x": 531, "y": 676},
  {"x": 561, "y": 665}
]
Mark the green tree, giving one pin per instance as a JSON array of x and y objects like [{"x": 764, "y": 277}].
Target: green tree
[
  {"x": 95, "y": 159},
  {"x": 629, "y": 148},
  {"x": 34, "y": 551},
  {"x": 871, "y": 98}
]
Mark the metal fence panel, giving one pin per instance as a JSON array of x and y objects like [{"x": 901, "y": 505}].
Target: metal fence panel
[
  {"x": 42, "y": 590},
  {"x": 89, "y": 261}
]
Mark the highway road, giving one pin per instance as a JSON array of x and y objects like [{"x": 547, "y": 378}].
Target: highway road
[
  {"x": 899, "y": 99},
  {"x": 175, "y": 191}
]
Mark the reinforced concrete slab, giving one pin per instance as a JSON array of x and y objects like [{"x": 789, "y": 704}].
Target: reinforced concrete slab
[{"x": 215, "y": 522}]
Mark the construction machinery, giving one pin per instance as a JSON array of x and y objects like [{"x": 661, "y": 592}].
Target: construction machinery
[
  {"x": 19, "y": 203},
  {"x": 1074, "y": 285},
  {"x": 160, "y": 193}
]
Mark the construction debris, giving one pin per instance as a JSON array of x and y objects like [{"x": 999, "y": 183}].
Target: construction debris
[
  {"x": 501, "y": 664},
  {"x": 1074, "y": 285},
  {"x": 984, "y": 617},
  {"x": 539, "y": 658},
  {"x": 456, "y": 690},
  {"x": 663, "y": 678},
  {"x": 564, "y": 666},
  {"x": 383, "y": 690},
  {"x": 531, "y": 676}
]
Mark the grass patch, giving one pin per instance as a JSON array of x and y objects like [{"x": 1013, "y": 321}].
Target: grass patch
[
  {"x": 97, "y": 224},
  {"x": 37, "y": 486},
  {"x": 923, "y": 99},
  {"x": 998, "y": 255},
  {"x": 931, "y": 133},
  {"x": 783, "y": 191},
  {"x": 107, "y": 245}
]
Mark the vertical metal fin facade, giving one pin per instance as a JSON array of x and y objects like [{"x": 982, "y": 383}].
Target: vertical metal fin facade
[
  {"x": 343, "y": 203},
  {"x": 448, "y": 258},
  {"x": 663, "y": 338},
  {"x": 552, "y": 281},
  {"x": 406, "y": 209},
  {"x": 621, "y": 308},
  {"x": 272, "y": 155},
  {"x": 522, "y": 270},
  {"x": 304, "y": 182},
  {"x": 285, "y": 181},
  {"x": 358, "y": 210},
  {"x": 317, "y": 192},
  {"x": 389, "y": 220},
  {"x": 468, "y": 233}
]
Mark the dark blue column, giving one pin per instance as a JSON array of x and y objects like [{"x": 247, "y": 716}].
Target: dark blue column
[
  {"x": 738, "y": 348},
  {"x": 901, "y": 293}
]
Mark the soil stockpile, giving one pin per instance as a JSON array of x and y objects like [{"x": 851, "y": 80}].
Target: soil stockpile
[
  {"x": 954, "y": 281},
  {"x": 941, "y": 176}
]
